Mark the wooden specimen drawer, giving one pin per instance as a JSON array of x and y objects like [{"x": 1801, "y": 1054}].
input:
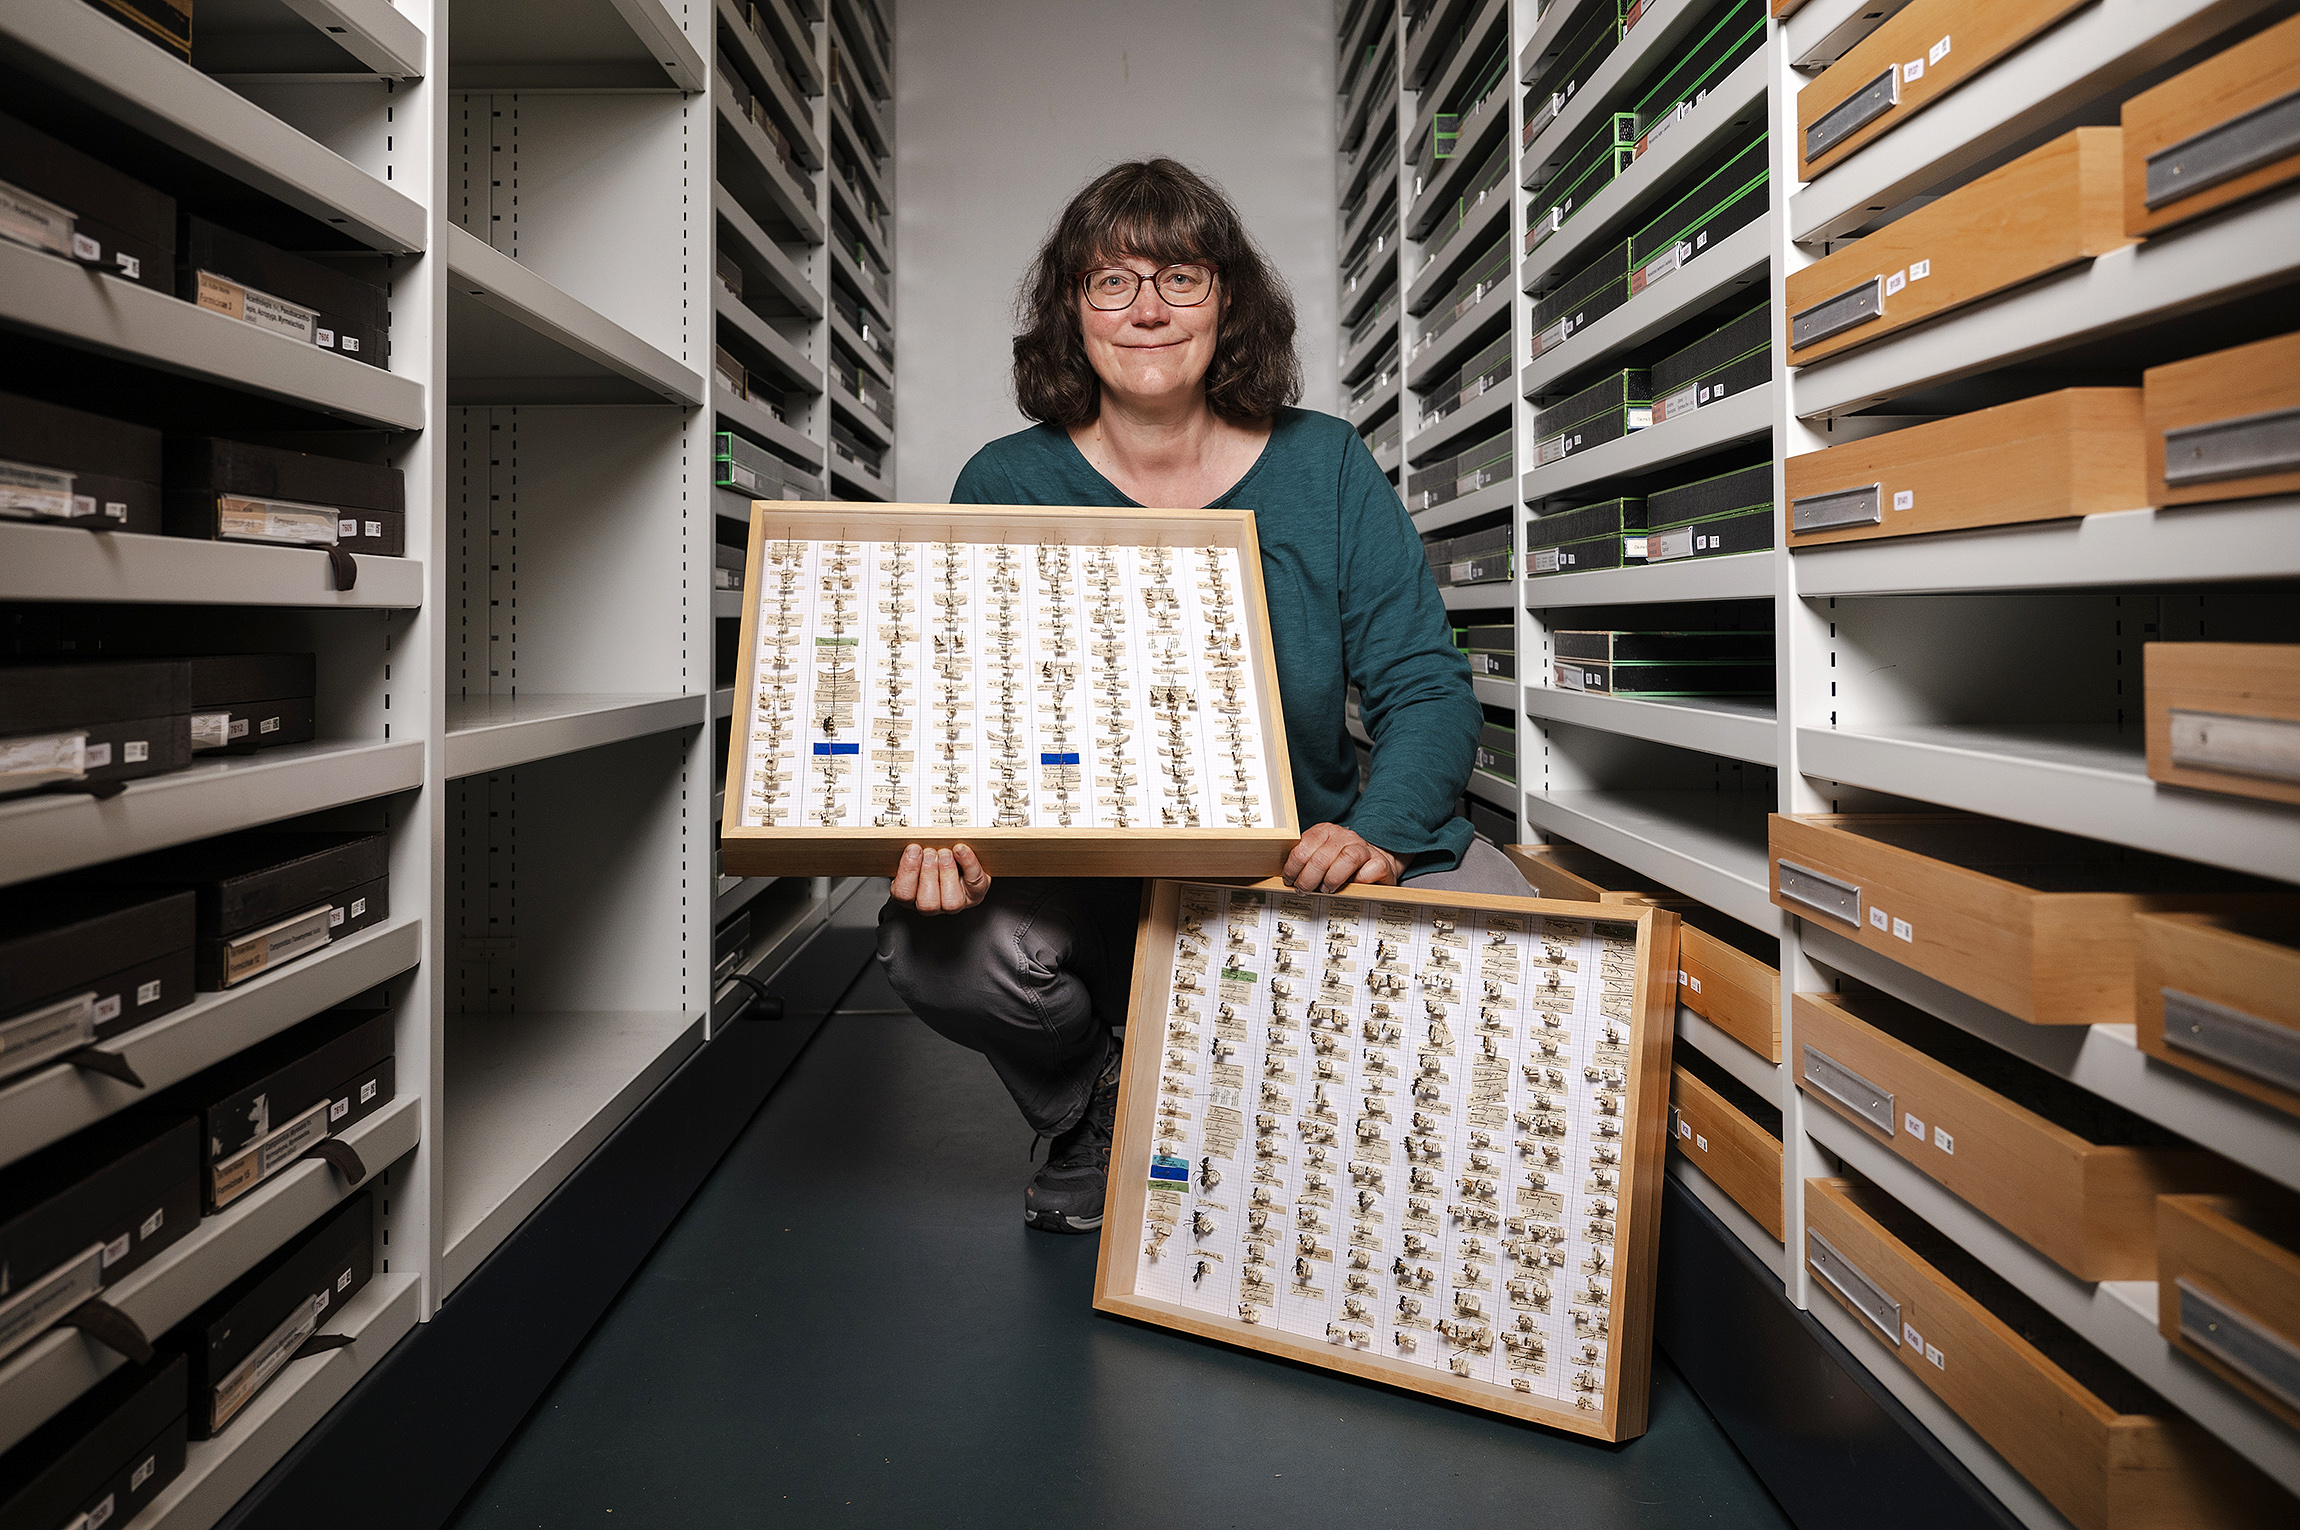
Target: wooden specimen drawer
[
  {"x": 2225, "y": 717},
  {"x": 2036, "y": 923},
  {"x": 2070, "y": 1174},
  {"x": 1567, "y": 871},
  {"x": 2228, "y": 1290},
  {"x": 2215, "y": 134},
  {"x": 2224, "y": 425},
  {"x": 2052, "y": 207},
  {"x": 1729, "y": 1134},
  {"x": 2074, "y": 452},
  {"x": 2099, "y": 1446},
  {"x": 1723, "y": 976},
  {"x": 1907, "y": 64},
  {"x": 2220, "y": 996}
]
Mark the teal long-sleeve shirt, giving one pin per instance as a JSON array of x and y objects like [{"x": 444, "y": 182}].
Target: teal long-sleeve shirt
[{"x": 1352, "y": 602}]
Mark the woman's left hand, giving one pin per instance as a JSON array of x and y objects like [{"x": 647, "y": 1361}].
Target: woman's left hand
[{"x": 1330, "y": 857}]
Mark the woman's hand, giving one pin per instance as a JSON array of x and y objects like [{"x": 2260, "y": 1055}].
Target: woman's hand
[
  {"x": 1330, "y": 857},
  {"x": 940, "y": 881}
]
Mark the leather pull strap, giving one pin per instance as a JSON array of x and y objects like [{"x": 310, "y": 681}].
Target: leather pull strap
[
  {"x": 345, "y": 566},
  {"x": 111, "y": 1064},
  {"x": 102, "y": 791},
  {"x": 320, "y": 1344},
  {"x": 764, "y": 1005},
  {"x": 109, "y": 1326},
  {"x": 341, "y": 1156}
]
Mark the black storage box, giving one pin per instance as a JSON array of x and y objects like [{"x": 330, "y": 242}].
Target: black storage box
[
  {"x": 83, "y": 1213},
  {"x": 263, "y": 1108},
  {"x": 105, "y": 1457},
  {"x": 1497, "y": 751},
  {"x": 1721, "y": 196},
  {"x": 248, "y": 701},
  {"x": 1741, "y": 490},
  {"x": 1606, "y": 410},
  {"x": 243, "y": 492},
  {"x": 244, "y": 1338},
  {"x": 1585, "y": 521},
  {"x": 1622, "y": 549},
  {"x": 1658, "y": 647},
  {"x": 1589, "y": 294},
  {"x": 268, "y": 896},
  {"x": 1725, "y": 363},
  {"x": 92, "y": 720},
  {"x": 1751, "y": 531},
  {"x": 1665, "y": 679},
  {"x": 248, "y": 280},
  {"x": 1586, "y": 41},
  {"x": 114, "y": 223},
  {"x": 80, "y": 965},
  {"x": 74, "y": 468}
]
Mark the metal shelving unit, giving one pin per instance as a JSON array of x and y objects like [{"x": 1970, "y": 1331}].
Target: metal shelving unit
[{"x": 525, "y": 702}]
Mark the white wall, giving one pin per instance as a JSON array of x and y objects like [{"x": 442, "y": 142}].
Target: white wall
[{"x": 1005, "y": 108}]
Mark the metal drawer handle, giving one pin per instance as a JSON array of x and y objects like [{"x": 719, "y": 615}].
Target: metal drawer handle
[
  {"x": 2232, "y": 1038},
  {"x": 1867, "y": 1297},
  {"x": 1823, "y": 894},
  {"x": 1849, "y": 1089},
  {"x": 2238, "y": 448},
  {"x": 2268, "y": 747},
  {"x": 1840, "y": 507},
  {"x": 2241, "y": 1342},
  {"x": 2242, "y": 144},
  {"x": 1833, "y": 316},
  {"x": 1855, "y": 112}
]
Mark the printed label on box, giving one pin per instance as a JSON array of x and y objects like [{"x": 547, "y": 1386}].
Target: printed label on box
[
  {"x": 26, "y": 490},
  {"x": 248, "y": 1377},
  {"x": 220, "y": 294},
  {"x": 275, "y": 520},
  {"x": 282, "y": 942},
  {"x": 30, "y": 1312},
  {"x": 35, "y": 221},
  {"x": 264, "y": 1157}
]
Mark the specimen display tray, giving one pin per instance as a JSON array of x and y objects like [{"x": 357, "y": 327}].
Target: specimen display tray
[
  {"x": 1071, "y": 692},
  {"x": 1414, "y": 1137}
]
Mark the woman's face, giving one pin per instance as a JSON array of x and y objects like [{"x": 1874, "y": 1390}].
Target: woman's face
[{"x": 1151, "y": 352}]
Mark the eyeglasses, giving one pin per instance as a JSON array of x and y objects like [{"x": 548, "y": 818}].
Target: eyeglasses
[{"x": 1114, "y": 287}]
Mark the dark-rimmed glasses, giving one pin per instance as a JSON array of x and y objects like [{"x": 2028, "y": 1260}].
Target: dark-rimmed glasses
[{"x": 1182, "y": 286}]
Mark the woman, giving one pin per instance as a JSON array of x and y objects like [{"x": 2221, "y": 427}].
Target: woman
[{"x": 1157, "y": 351}]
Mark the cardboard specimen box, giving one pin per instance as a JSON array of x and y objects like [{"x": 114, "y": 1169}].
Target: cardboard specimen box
[
  {"x": 80, "y": 965},
  {"x": 69, "y": 467},
  {"x": 1413, "y": 1137},
  {"x": 2075, "y": 452},
  {"x": 106, "y": 1457},
  {"x": 1070, "y": 692},
  {"x": 2225, "y": 425},
  {"x": 2051, "y": 208},
  {"x": 2214, "y": 135}
]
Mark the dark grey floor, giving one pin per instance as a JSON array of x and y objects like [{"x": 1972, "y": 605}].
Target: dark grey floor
[{"x": 849, "y": 1326}]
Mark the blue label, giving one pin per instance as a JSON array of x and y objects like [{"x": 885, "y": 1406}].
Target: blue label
[
  {"x": 1058, "y": 759},
  {"x": 1166, "y": 1167},
  {"x": 838, "y": 748}
]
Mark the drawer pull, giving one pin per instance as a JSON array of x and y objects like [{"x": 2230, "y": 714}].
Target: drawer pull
[
  {"x": 1868, "y": 1299},
  {"x": 2232, "y": 1038},
  {"x": 1854, "y": 113},
  {"x": 1822, "y": 894},
  {"x": 2236, "y": 147},
  {"x": 2239, "y": 448},
  {"x": 1834, "y": 316},
  {"x": 2244, "y": 746},
  {"x": 2240, "y": 1342},
  {"x": 1849, "y": 1089},
  {"x": 1844, "y": 507}
]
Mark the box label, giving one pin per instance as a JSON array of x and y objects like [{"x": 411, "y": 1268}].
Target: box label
[
  {"x": 275, "y": 520},
  {"x": 49, "y": 1031},
  {"x": 248, "y": 1377},
  {"x": 220, "y": 294},
  {"x": 282, "y": 942},
  {"x": 35, "y": 221},
  {"x": 266, "y": 1156},
  {"x": 26, "y": 490},
  {"x": 43, "y": 757},
  {"x": 30, "y": 1312}
]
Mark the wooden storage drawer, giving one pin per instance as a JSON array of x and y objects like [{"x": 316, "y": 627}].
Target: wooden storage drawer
[
  {"x": 2098, "y": 1445},
  {"x": 1726, "y": 984},
  {"x": 2036, "y": 923},
  {"x": 2052, "y": 207},
  {"x": 1906, "y": 65},
  {"x": 1562, "y": 870},
  {"x": 2224, "y": 425},
  {"x": 2074, "y": 452},
  {"x": 2070, "y": 1174},
  {"x": 2215, "y": 134},
  {"x": 2219, "y": 996},
  {"x": 2228, "y": 1291},
  {"x": 2225, "y": 717},
  {"x": 1729, "y": 1134}
]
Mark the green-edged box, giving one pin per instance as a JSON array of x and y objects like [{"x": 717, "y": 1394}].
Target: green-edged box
[
  {"x": 1606, "y": 410},
  {"x": 748, "y": 468}
]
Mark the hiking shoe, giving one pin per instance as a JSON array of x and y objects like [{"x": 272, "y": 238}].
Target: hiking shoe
[{"x": 1066, "y": 1193}]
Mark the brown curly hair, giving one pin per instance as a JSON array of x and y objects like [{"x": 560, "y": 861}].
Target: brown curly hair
[{"x": 1159, "y": 210}]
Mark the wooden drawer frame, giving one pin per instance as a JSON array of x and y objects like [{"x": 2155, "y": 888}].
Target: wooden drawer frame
[
  {"x": 1740, "y": 1157},
  {"x": 2088, "y": 1207},
  {"x": 1912, "y": 60},
  {"x": 1569, "y": 872},
  {"x": 2250, "y": 690},
  {"x": 2242, "y": 1001},
  {"x": 2055, "y": 206},
  {"x": 2103, "y": 1469},
  {"x": 1730, "y": 989},
  {"x": 2197, "y": 113},
  {"x": 2074, "y": 452},
  {"x": 2229, "y": 1294},
  {"x": 2208, "y": 405},
  {"x": 2047, "y": 958}
]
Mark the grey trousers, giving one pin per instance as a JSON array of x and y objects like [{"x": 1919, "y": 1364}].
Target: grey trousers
[{"x": 1036, "y": 975}]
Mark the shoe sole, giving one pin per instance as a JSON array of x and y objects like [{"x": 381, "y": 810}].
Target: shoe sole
[{"x": 1056, "y": 1222}]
